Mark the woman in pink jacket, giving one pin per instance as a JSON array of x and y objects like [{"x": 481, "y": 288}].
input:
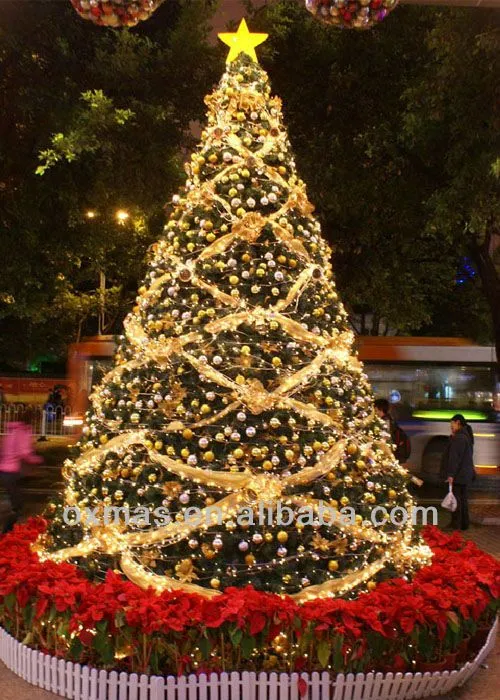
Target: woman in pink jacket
[{"x": 16, "y": 448}]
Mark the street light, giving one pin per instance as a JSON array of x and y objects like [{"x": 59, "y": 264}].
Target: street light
[
  {"x": 90, "y": 214},
  {"x": 122, "y": 216}
]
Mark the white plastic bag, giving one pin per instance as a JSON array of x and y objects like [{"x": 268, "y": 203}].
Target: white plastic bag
[{"x": 449, "y": 501}]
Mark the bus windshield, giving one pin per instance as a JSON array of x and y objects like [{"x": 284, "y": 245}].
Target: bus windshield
[{"x": 436, "y": 391}]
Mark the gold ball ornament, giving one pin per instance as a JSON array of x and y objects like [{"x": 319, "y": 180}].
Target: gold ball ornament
[
  {"x": 282, "y": 536},
  {"x": 215, "y": 583},
  {"x": 333, "y": 565}
]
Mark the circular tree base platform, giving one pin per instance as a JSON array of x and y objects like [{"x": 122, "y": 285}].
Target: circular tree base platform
[{"x": 77, "y": 682}]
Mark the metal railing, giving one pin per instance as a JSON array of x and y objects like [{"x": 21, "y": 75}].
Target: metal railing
[{"x": 46, "y": 421}]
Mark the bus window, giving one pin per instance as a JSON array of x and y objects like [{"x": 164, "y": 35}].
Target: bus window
[{"x": 436, "y": 392}]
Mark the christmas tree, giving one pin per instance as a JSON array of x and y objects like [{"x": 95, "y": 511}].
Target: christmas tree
[{"x": 236, "y": 392}]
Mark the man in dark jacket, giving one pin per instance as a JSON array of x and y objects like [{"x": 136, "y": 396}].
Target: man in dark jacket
[{"x": 460, "y": 469}]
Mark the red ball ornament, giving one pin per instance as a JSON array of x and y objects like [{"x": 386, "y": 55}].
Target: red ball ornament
[{"x": 354, "y": 14}]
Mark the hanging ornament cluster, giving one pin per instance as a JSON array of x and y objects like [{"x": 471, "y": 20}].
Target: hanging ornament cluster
[
  {"x": 352, "y": 14},
  {"x": 116, "y": 13}
]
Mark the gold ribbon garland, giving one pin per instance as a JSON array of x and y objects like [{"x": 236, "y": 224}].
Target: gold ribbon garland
[{"x": 245, "y": 486}]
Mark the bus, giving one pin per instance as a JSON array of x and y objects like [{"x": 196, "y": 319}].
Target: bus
[{"x": 426, "y": 381}]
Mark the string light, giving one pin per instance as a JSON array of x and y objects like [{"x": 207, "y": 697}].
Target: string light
[{"x": 236, "y": 384}]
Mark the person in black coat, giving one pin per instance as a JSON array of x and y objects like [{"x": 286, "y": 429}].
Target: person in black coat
[{"x": 459, "y": 468}]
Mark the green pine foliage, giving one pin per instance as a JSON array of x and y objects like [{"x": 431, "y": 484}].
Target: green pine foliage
[{"x": 237, "y": 362}]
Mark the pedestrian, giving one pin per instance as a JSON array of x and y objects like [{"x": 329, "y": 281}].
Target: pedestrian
[
  {"x": 458, "y": 468},
  {"x": 398, "y": 436},
  {"x": 2, "y": 406},
  {"x": 15, "y": 449}
]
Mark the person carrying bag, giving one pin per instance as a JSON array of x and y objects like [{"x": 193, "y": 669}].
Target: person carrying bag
[{"x": 458, "y": 469}]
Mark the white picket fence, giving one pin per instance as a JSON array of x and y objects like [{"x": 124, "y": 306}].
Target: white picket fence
[{"x": 77, "y": 682}]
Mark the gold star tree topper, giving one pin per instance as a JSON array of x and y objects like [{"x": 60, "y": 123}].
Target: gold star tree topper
[{"x": 242, "y": 41}]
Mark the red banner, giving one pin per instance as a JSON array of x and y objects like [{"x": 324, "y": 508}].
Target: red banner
[{"x": 29, "y": 389}]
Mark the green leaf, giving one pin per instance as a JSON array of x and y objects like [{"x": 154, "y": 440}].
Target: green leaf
[
  {"x": 204, "y": 647},
  {"x": 453, "y": 621},
  {"x": 154, "y": 661},
  {"x": 103, "y": 645},
  {"x": 323, "y": 651},
  {"x": 247, "y": 646},
  {"x": 28, "y": 639},
  {"x": 236, "y": 635},
  {"x": 101, "y": 626},
  {"x": 338, "y": 657},
  {"x": 75, "y": 648},
  {"x": 9, "y": 601},
  {"x": 28, "y": 615}
]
